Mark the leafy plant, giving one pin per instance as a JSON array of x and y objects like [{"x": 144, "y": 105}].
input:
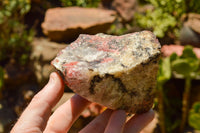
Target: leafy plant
[
  {"x": 81, "y": 3},
  {"x": 194, "y": 116},
  {"x": 157, "y": 20},
  {"x": 117, "y": 30},
  {"x": 166, "y": 16},
  {"x": 193, "y": 6},
  {"x": 187, "y": 65},
  {"x": 164, "y": 74},
  {"x": 14, "y": 37}
]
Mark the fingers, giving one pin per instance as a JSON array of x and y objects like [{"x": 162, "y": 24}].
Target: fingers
[
  {"x": 63, "y": 118},
  {"x": 99, "y": 123},
  {"x": 116, "y": 122},
  {"x": 138, "y": 122},
  {"x": 35, "y": 116}
]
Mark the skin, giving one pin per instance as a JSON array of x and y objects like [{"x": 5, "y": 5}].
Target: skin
[{"x": 37, "y": 117}]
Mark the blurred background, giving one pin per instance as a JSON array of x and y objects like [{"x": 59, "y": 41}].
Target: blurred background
[{"x": 33, "y": 31}]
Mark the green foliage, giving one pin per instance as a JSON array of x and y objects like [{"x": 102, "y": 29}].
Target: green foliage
[
  {"x": 115, "y": 30},
  {"x": 194, "y": 116},
  {"x": 187, "y": 64},
  {"x": 158, "y": 20},
  {"x": 166, "y": 15},
  {"x": 81, "y": 3},
  {"x": 175, "y": 7},
  {"x": 193, "y": 6},
  {"x": 14, "y": 38},
  {"x": 10, "y": 7},
  {"x": 164, "y": 72},
  {"x": 173, "y": 57}
]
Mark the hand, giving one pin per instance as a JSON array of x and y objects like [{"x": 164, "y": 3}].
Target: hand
[{"x": 37, "y": 116}]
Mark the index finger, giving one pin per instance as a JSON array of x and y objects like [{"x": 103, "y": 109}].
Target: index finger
[
  {"x": 63, "y": 118},
  {"x": 138, "y": 122}
]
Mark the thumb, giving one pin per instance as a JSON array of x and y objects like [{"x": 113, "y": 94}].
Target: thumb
[{"x": 36, "y": 115}]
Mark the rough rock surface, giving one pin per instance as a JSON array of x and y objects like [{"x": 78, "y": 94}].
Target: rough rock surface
[
  {"x": 190, "y": 32},
  {"x": 194, "y": 22},
  {"x": 65, "y": 24},
  {"x": 115, "y": 71},
  {"x": 189, "y": 36},
  {"x": 125, "y": 8}
]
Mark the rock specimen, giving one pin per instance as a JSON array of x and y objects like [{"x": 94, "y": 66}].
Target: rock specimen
[
  {"x": 193, "y": 21},
  {"x": 125, "y": 8},
  {"x": 190, "y": 32},
  {"x": 115, "y": 71},
  {"x": 65, "y": 24}
]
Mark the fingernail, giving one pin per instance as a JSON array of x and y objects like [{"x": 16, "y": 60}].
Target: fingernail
[
  {"x": 151, "y": 113},
  {"x": 148, "y": 115},
  {"x": 52, "y": 78}
]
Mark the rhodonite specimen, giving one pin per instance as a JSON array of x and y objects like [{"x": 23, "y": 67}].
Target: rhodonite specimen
[{"x": 118, "y": 72}]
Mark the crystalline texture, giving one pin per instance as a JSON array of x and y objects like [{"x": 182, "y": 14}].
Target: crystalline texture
[{"x": 116, "y": 71}]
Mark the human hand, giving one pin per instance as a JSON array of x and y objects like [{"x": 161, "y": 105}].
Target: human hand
[{"x": 37, "y": 117}]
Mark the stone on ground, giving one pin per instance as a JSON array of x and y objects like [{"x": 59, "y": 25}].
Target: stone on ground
[
  {"x": 43, "y": 52},
  {"x": 65, "y": 24},
  {"x": 125, "y": 8}
]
